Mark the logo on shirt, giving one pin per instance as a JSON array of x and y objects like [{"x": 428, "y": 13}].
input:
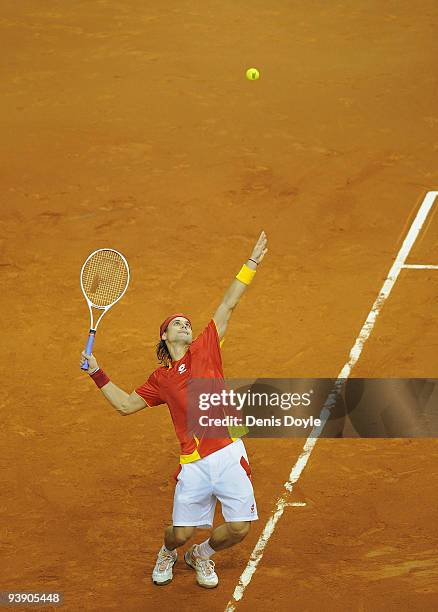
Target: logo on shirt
[
  {"x": 252, "y": 509},
  {"x": 182, "y": 368}
]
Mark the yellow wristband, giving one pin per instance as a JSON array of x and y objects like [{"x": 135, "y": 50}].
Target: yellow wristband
[{"x": 246, "y": 275}]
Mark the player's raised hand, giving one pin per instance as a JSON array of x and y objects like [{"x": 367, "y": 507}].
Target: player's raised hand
[
  {"x": 260, "y": 248},
  {"x": 92, "y": 363}
]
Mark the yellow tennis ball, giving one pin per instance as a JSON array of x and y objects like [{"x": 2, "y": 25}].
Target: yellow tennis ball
[{"x": 252, "y": 74}]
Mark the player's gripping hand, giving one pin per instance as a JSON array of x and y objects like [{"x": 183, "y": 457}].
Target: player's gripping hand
[{"x": 92, "y": 363}]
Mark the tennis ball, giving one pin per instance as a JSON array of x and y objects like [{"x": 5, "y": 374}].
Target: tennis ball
[{"x": 252, "y": 74}]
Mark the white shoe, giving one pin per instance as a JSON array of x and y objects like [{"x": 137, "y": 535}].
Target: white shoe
[
  {"x": 162, "y": 573},
  {"x": 204, "y": 568}
]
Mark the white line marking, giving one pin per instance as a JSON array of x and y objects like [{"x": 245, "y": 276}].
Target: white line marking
[
  {"x": 355, "y": 353},
  {"x": 299, "y": 504},
  {"x": 419, "y": 267}
]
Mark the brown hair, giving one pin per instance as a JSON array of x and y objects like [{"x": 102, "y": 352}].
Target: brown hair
[{"x": 164, "y": 357}]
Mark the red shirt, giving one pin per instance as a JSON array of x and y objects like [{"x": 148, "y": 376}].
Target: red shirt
[{"x": 168, "y": 385}]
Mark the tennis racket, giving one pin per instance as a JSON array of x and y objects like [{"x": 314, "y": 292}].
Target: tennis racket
[{"x": 104, "y": 280}]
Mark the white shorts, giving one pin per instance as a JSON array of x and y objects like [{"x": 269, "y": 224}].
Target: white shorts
[{"x": 224, "y": 475}]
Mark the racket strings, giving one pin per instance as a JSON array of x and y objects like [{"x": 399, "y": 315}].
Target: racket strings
[{"x": 105, "y": 277}]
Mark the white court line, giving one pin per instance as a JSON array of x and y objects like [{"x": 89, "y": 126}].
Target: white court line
[
  {"x": 419, "y": 267},
  {"x": 355, "y": 353}
]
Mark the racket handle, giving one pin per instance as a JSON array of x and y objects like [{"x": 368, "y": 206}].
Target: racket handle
[{"x": 88, "y": 348}]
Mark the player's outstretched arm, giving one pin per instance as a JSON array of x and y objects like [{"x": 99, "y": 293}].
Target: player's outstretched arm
[
  {"x": 239, "y": 285},
  {"x": 124, "y": 404}
]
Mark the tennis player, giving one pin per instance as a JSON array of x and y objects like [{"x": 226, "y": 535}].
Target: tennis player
[{"x": 210, "y": 468}]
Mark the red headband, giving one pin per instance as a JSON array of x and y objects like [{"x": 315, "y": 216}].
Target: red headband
[{"x": 165, "y": 323}]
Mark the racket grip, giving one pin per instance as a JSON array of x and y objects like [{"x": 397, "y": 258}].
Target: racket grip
[{"x": 88, "y": 349}]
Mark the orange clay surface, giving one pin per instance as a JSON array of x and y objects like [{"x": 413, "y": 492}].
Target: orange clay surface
[{"x": 134, "y": 127}]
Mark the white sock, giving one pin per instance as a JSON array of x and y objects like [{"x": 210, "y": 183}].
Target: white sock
[{"x": 204, "y": 550}]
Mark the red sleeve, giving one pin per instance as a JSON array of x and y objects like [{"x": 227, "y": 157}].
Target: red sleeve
[
  {"x": 150, "y": 391},
  {"x": 208, "y": 338}
]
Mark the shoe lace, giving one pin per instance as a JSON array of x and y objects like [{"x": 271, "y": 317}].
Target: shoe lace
[
  {"x": 164, "y": 560},
  {"x": 206, "y": 565}
]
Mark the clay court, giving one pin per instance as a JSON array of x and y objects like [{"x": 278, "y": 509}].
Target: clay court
[{"x": 131, "y": 125}]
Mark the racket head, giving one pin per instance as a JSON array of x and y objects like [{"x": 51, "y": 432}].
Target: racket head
[{"x": 104, "y": 278}]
